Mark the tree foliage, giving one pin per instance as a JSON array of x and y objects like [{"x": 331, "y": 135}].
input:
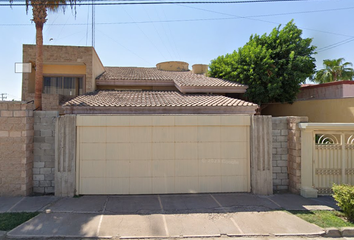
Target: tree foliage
[
  {"x": 273, "y": 66},
  {"x": 334, "y": 70}
]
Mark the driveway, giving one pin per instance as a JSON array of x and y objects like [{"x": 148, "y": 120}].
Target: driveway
[{"x": 189, "y": 215}]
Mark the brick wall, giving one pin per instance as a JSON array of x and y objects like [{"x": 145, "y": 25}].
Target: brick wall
[
  {"x": 294, "y": 158},
  {"x": 280, "y": 154},
  {"x": 44, "y": 151},
  {"x": 16, "y": 148}
]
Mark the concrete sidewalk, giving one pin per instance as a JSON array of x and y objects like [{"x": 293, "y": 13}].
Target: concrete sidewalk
[{"x": 162, "y": 216}]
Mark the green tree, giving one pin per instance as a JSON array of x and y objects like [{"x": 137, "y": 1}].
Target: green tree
[
  {"x": 273, "y": 66},
  {"x": 334, "y": 70},
  {"x": 39, "y": 12}
]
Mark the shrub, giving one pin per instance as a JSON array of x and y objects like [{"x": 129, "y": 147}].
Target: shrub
[{"x": 344, "y": 195}]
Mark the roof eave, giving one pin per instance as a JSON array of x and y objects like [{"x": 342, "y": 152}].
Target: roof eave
[
  {"x": 199, "y": 89},
  {"x": 251, "y": 110},
  {"x": 134, "y": 83}
]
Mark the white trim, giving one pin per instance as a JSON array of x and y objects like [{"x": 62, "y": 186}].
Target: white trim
[{"x": 326, "y": 126}]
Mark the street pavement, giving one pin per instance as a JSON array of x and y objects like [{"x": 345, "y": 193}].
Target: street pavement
[{"x": 166, "y": 216}]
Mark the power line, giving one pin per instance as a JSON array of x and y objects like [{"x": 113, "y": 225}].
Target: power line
[
  {"x": 160, "y": 2},
  {"x": 337, "y": 44}
]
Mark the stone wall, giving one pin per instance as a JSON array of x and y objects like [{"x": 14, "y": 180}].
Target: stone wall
[
  {"x": 280, "y": 154},
  {"x": 294, "y": 158},
  {"x": 16, "y": 148},
  {"x": 44, "y": 151}
]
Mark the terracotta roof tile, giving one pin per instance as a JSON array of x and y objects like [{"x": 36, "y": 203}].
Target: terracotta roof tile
[
  {"x": 112, "y": 98},
  {"x": 182, "y": 79}
]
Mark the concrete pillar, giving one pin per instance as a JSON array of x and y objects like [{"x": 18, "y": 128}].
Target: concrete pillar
[
  {"x": 261, "y": 155},
  {"x": 65, "y": 156}
]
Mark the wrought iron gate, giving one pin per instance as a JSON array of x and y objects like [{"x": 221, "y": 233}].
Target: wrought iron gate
[{"x": 333, "y": 160}]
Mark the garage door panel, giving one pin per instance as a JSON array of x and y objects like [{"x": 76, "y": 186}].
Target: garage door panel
[
  {"x": 186, "y": 168},
  {"x": 209, "y": 167},
  {"x": 186, "y": 120},
  {"x": 136, "y": 121},
  {"x": 208, "y": 134},
  {"x": 163, "y": 121},
  {"x": 93, "y": 151},
  {"x": 93, "y": 185},
  {"x": 140, "y": 134},
  {"x": 122, "y": 121},
  {"x": 117, "y": 185},
  {"x": 163, "y": 154},
  {"x": 233, "y": 134},
  {"x": 93, "y": 169},
  {"x": 163, "y": 151},
  {"x": 94, "y": 135},
  {"x": 209, "y": 120},
  {"x": 116, "y": 168},
  {"x": 140, "y": 168},
  {"x": 209, "y": 150},
  {"x": 186, "y": 184},
  {"x": 210, "y": 184},
  {"x": 185, "y": 134},
  {"x": 140, "y": 151},
  {"x": 162, "y": 185},
  {"x": 140, "y": 186},
  {"x": 186, "y": 151},
  {"x": 230, "y": 150},
  {"x": 163, "y": 168},
  {"x": 232, "y": 184},
  {"x": 117, "y": 134},
  {"x": 233, "y": 167},
  {"x": 120, "y": 151},
  {"x": 163, "y": 135}
]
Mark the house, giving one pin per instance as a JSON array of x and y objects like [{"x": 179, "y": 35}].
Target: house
[
  {"x": 328, "y": 102},
  {"x": 75, "y": 81},
  {"x": 133, "y": 130}
]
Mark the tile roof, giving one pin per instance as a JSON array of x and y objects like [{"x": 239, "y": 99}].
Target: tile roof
[
  {"x": 113, "y": 98},
  {"x": 181, "y": 79}
]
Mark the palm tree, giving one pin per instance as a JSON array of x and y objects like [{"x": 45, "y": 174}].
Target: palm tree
[
  {"x": 334, "y": 70},
  {"x": 39, "y": 11}
]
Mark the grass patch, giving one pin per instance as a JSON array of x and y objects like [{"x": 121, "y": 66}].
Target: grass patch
[
  {"x": 9, "y": 221},
  {"x": 324, "y": 219}
]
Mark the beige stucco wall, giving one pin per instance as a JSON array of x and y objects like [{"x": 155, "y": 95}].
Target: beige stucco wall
[
  {"x": 62, "y": 60},
  {"x": 326, "y": 110},
  {"x": 16, "y": 148}
]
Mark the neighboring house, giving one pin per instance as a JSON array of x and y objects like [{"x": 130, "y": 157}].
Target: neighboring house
[
  {"x": 77, "y": 72},
  {"x": 327, "y": 102}
]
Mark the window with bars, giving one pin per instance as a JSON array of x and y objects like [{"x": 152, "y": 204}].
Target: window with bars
[{"x": 67, "y": 86}]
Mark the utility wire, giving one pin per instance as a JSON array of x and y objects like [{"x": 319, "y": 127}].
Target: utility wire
[{"x": 98, "y": 3}]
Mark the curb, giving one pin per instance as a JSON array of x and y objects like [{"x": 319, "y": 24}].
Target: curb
[{"x": 339, "y": 232}]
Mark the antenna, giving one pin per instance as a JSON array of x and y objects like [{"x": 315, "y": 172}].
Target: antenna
[
  {"x": 3, "y": 96},
  {"x": 93, "y": 23}
]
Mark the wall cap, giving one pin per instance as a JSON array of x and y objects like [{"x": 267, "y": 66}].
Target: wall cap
[{"x": 326, "y": 126}]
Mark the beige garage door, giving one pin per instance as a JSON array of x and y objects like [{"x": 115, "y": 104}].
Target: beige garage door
[{"x": 142, "y": 154}]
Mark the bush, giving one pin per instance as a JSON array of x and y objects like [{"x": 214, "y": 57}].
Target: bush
[{"x": 344, "y": 195}]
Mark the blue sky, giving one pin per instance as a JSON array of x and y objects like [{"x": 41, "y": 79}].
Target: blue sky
[{"x": 143, "y": 35}]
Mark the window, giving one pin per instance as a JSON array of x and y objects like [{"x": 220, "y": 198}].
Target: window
[{"x": 67, "y": 86}]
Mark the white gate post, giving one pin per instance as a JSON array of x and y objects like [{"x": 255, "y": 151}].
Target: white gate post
[{"x": 307, "y": 145}]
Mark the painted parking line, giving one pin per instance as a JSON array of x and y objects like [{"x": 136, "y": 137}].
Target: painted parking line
[
  {"x": 101, "y": 217},
  {"x": 231, "y": 219},
  {"x": 10, "y": 209},
  {"x": 163, "y": 216}
]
